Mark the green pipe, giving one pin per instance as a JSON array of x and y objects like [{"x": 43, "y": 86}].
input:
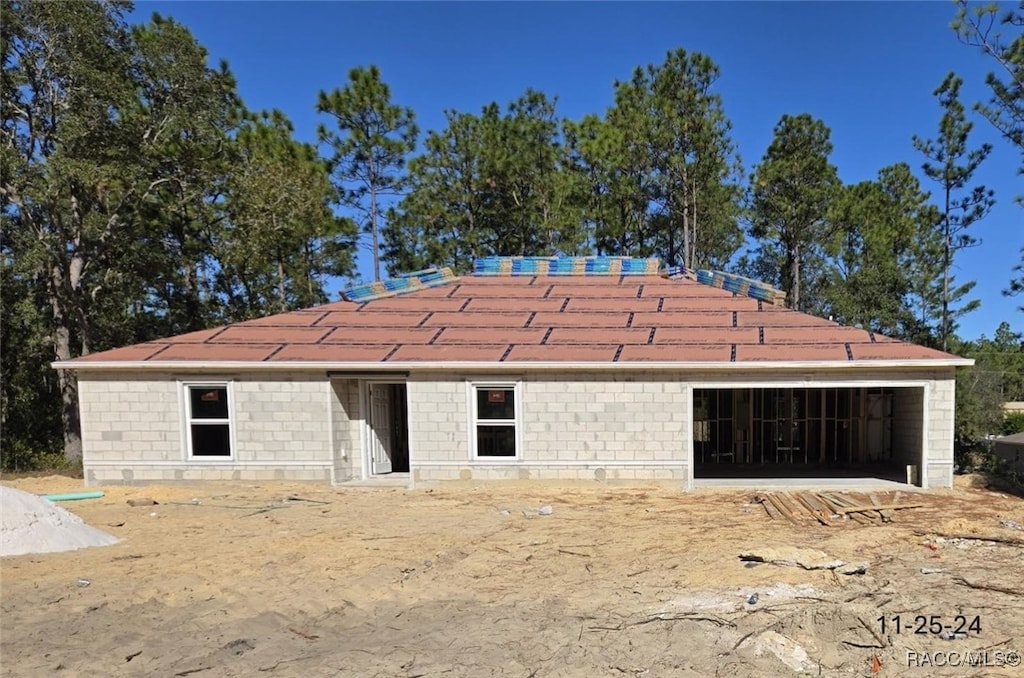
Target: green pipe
[{"x": 73, "y": 496}]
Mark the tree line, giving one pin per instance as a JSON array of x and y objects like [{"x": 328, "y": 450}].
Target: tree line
[{"x": 141, "y": 198}]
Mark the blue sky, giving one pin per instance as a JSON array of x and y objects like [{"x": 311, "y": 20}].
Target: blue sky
[{"x": 866, "y": 69}]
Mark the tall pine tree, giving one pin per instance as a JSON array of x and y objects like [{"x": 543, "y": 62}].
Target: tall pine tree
[
  {"x": 982, "y": 26},
  {"x": 878, "y": 261},
  {"x": 368, "y": 145},
  {"x": 951, "y": 164},
  {"x": 282, "y": 238},
  {"x": 790, "y": 197}
]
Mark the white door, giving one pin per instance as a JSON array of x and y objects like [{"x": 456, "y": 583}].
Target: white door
[{"x": 380, "y": 428}]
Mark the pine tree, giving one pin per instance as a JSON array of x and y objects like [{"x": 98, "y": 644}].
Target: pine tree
[
  {"x": 696, "y": 164},
  {"x": 980, "y": 26},
  {"x": 282, "y": 238},
  {"x": 368, "y": 147},
  {"x": 878, "y": 227},
  {"x": 791, "y": 194},
  {"x": 493, "y": 183},
  {"x": 951, "y": 164},
  {"x": 660, "y": 165},
  {"x": 182, "y": 119}
]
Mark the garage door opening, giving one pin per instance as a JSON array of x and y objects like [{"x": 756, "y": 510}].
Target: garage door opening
[{"x": 808, "y": 433}]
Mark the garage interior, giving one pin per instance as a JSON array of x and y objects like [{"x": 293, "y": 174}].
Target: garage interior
[{"x": 856, "y": 432}]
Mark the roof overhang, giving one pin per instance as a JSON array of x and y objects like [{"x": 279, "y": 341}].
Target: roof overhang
[{"x": 517, "y": 366}]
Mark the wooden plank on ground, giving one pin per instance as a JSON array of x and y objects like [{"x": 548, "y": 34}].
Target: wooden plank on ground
[
  {"x": 873, "y": 498},
  {"x": 815, "y": 513},
  {"x": 840, "y": 501},
  {"x": 794, "y": 508},
  {"x": 818, "y": 503},
  {"x": 781, "y": 508},
  {"x": 829, "y": 507},
  {"x": 866, "y": 509},
  {"x": 769, "y": 508}
]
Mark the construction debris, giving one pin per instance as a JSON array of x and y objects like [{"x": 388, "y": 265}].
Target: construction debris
[
  {"x": 880, "y": 508},
  {"x": 808, "y": 559},
  {"x": 828, "y": 508},
  {"x": 961, "y": 538}
]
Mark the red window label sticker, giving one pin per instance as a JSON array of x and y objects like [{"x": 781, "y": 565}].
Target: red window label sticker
[
  {"x": 210, "y": 396},
  {"x": 495, "y": 396}
]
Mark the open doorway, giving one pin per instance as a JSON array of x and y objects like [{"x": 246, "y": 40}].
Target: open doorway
[
  {"x": 807, "y": 432},
  {"x": 388, "y": 425}
]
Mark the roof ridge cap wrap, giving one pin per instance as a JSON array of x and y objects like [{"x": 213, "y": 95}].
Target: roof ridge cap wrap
[
  {"x": 586, "y": 266},
  {"x": 403, "y": 284}
]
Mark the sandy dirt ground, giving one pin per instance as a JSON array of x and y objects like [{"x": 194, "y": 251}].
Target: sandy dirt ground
[{"x": 300, "y": 580}]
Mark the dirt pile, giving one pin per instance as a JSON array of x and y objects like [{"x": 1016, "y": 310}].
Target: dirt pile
[{"x": 31, "y": 524}]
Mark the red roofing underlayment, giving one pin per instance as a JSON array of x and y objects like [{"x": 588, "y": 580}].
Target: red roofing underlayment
[{"x": 524, "y": 319}]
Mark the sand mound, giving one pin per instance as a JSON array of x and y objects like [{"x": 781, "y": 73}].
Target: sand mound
[{"x": 31, "y": 524}]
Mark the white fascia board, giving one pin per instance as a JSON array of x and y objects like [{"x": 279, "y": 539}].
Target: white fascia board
[{"x": 517, "y": 366}]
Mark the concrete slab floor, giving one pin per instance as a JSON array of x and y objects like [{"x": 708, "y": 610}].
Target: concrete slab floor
[
  {"x": 803, "y": 484},
  {"x": 391, "y": 480}
]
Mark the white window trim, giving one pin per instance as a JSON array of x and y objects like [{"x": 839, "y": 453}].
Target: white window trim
[
  {"x": 186, "y": 418},
  {"x": 517, "y": 422}
]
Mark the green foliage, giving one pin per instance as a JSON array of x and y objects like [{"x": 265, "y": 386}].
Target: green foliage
[
  {"x": 1013, "y": 423},
  {"x": 982, "y": 26},
  {"x": 178, "y": 129},
  {"x": 951, "y": 164},
  {"x": 369, "y": 147},
  {"x": 64, "y": 193},
  {"x": 697, "y": 167},
  {"x": 282, "y": 239},
  {"x": 437, "y": 222},
  {"x": 997, "y": 377},
  {"x": 30, "y": 399},
  {"x": 526, "y": 181},
  {"x": 1017, "y": 284},
  {"x": 979, "y": 403},
  {"x": 878, "y": 257},
  {"x": 791, "y": 195},
  {"x": 660, "y": 168},
  {"x": 618, "y": 178},
  {"x": 133, "y": 181},
  {"x": 492, "y": 183}
]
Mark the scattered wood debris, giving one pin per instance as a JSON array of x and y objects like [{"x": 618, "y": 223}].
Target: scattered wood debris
[
  {"x": 807, "y": 559},
  {"x": 829, "y": 508}
]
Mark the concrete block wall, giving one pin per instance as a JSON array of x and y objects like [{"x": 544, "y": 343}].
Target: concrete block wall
[
  {"x": 941, "y": 409},
  {"x": 134, "y": 428},
  {"x": 573, "y": 427},
  {"x": 601, "y": 418},
  {"x": 908, "y": 426},
  {"x": 130, "y": 419},
  {"x": 281, "y": 418},
  {"x": 438, "y": 418},
  {"x": 609, "y": 473},
  {"x": 346, "y": 422}
]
